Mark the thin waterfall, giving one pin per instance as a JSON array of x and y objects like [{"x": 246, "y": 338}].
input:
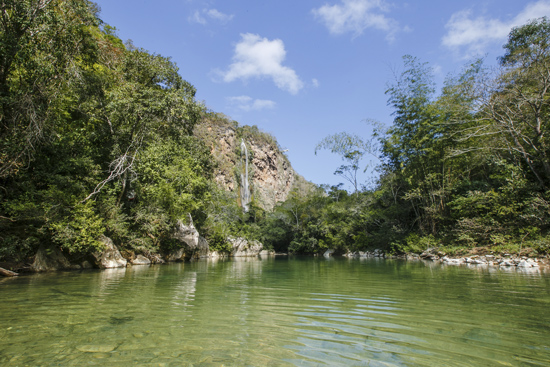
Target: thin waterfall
[{"x": 245, "y": 190}]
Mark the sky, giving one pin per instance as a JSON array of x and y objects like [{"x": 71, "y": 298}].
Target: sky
[{"x": 302, "y": 70}]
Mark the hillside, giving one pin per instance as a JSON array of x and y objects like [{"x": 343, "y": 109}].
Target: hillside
[{"x": 271, "y": 175}]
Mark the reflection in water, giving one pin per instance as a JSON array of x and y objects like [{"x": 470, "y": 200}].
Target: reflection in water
[
  {"x": 108, "y": 280},
  {"x": 279, "y": 311},
  {"x": 184, "y": 293}
]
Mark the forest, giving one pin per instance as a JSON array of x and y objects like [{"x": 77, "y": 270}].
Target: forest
[{"x": 97, "y": 138}]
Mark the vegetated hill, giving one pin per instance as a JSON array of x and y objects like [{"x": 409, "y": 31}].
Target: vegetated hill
[{"x": 271, "y": 176}]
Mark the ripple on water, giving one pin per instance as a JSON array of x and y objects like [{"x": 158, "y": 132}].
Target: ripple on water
[{"x": 301, "y": 312}]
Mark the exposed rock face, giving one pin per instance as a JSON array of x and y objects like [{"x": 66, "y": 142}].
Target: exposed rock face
[
  {"x": 110, "y": 257},
  {"x": 243, "y": 248},
  {"x": 191, "y": 244},
  {"x": 271, "y": 175},
  {"x": 49, "y": 260}
]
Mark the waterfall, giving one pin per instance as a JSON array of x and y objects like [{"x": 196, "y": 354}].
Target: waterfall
[{"x": 245, "y": 190}]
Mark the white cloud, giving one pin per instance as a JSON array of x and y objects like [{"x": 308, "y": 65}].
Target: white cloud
[
  {"x": 355, "y": 16},
  {"x": 197, "y": 18},
  {"x": 212, "y": 14},
  {"x": 247, "y": 103},
  {"x": 473, "y": 35},
  {"x": 257, "y": 57},
  {"x": 219, "y": 16},
  {"x": 315, "y": 83}
]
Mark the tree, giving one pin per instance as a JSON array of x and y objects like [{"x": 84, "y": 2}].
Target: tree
[
  {"x": 351, "y": 148},
  {"x": 44, "y": 44},
  {"x": 512, "y": 103}
]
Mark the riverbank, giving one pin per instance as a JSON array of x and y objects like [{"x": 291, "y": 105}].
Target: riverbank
[{"x": 476, "y": 256}]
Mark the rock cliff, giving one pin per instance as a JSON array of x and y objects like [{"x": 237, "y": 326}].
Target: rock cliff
[{"x": 271, "y": 177}]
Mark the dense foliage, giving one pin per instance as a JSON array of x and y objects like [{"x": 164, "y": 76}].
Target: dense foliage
[
  {"x": 97, "y": 138},
  {"x": 464, "y": 169}
]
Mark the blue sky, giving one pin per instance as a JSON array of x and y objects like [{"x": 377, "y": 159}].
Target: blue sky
[{"x": 303, "y": 70}]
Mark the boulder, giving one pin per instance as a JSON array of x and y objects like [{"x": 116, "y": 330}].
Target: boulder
[
  {"x": 241, "y": 247},
  {"x": 49, "y": 260},
  {"x": 190, "y": 243},
  {"x": 141, "y": 260},
  {"x": 328, "y": 253},
  {"x": 110, "y": 257},
  {"x": 528, "y": 263},
  {"x": 155, "y": 258},
  {"x": 452, "y": 261}
]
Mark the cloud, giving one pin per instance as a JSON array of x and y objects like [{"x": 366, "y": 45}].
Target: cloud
[
  {"x": 355, "y": 16},
  {"x": 315, "y": 83},
  {"x": 200, "y": 17},
  {"x": 247, "y": 103},
  {"x": 472, "y": 35},
  {"x": 197, "y": 18},
  {"x": 219, "y": 16},
  {"x": 257, "y": 57}
]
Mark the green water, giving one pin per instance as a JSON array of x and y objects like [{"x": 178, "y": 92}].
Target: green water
[{"x": 278, "y": 312}]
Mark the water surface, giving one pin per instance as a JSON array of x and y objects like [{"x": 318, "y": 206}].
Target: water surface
[{"x": 278, "y": 312}]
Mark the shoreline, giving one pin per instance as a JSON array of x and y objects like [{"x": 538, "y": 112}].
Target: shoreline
[
  {"x": 506, "y": 261},
  {"x": 490, "y": 260}
]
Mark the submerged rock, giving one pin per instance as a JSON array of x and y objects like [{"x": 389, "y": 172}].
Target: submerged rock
[
  {"x": 96, "y": 348},
  {"x": 110, "y": 257},
  {"x": 49, "y": 260}
]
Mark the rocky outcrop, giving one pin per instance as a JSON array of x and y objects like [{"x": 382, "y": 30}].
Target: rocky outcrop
[
  {"x": 110, "y": 257},
  {"x": 49, "y": 260},
  {"x": 189, "y": 242},
  {"x": 244, "y": 248}
]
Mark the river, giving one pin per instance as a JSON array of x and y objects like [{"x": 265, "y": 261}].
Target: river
[{"x": 278, "y": 312}]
